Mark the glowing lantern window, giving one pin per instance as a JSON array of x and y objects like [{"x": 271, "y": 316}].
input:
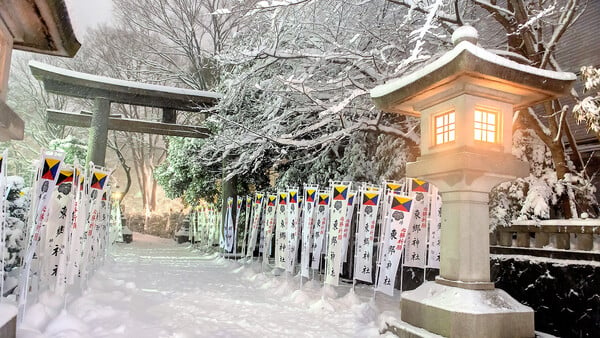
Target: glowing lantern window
[
  {"x": 445, "y": 128},
  {"x": 485, "y": 126}
]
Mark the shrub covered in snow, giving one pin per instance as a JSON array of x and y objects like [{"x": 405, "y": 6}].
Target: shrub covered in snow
[
  {"x": 17, "y": 208},
  {"x": 538, "y": 195}
]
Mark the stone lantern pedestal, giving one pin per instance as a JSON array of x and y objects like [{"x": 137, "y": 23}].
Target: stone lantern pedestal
[
  {"x": 466, "y": 100},
  {"x": 463, "y": 302}
]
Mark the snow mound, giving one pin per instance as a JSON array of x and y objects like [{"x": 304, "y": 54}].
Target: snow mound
[
  {"x": 350, "y": 299},
  {"x": 329, "y": 291},
  {"x": 67, "y": 325},
  {"x": 322, "y": 305},
  {"x": 300, "y": 297}
]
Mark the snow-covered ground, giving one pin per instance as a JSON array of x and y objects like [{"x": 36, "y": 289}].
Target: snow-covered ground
[{"x": 154, "y": 287}]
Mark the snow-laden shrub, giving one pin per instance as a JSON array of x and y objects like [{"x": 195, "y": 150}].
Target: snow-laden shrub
[
  {"x": 536, "y": 196},
  {"x": 17, "y": 208},
  {"x": 588, "y": 109},
  {"x": 73, "y": 148}
]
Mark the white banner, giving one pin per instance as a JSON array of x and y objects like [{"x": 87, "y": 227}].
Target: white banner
[
  {"x": 3, "y": 213},
  {"x": 57, "y": 231},
  {"x": 416, "y": 245},
  {"x": 308, "y": 214},
  {"x": 80, "y": 210},
  {"x": 228, "y": 226},
  {"x": 365, "y": 234},
  {"x": 293, "y": 229},
  {"x": 337, "y": 212},
  {"x": 393, "y": 240},
  {"x": 261, "y": 229},
  {"x": 347, "y": 225},
  {"x": 435, "y": 229},
  {"x": 248, "y": 216},
  {"x": 47, "y": 174},
  {"x": 269, "y": 226},
  {"x": 238, "y": 211},
  {"x": 281, "y": 231},
  {"x": 256, "y": 210},
  {"x": 320, "y": 232},
  {"x": 98, "y": 181}
]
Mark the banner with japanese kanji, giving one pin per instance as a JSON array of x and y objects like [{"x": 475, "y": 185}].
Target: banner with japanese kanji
[
  {"x": 320, "y": 231},
  {"x": 435, "y": 229},
  {"x": 256, "y": 213},
  {"x": 345, "y": 230},
  {"x": 240, "y": 202},
  {"x": 269, "y": 226},
  {"x": 293, "y": 229},
  {"x": 281, "y": 230},
  {"x": 416, "y": 244},
  {"x": 248, "y": 215},
  {"x": 308, "y": 222},
  {"x": 365, "y": 234},
  {"x": 98, "y": 182},
  {"x": 337, "y": 217},
  {"x": 394, "y": 237},
  {"x": 45, "y": 181},
  {"x": 58, "y": 226}
]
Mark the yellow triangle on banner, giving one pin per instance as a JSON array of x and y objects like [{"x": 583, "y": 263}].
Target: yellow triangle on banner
[
  {"x": 52, "y": 162},
  {"x": 370, "y": 195},
  {"x": 393, "y": 186},
  {"x": 419, "y": 182}
]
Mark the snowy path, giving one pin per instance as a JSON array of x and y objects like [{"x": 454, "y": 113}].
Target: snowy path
[{"x": 156, "y": 288}]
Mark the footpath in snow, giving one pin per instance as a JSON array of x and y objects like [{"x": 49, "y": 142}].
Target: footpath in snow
[{"x": 154, "y": 287}]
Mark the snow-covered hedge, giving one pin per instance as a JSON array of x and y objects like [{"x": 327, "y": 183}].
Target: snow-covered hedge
[{"x": 17, "y": 208}]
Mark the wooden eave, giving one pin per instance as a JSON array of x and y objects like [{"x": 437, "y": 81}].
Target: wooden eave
[
  {"x": 76, "y": 84},
  {"x": 40, "y": 26}
]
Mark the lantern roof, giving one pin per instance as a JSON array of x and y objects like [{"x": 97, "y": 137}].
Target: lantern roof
[{"x": 469, "y": 68}]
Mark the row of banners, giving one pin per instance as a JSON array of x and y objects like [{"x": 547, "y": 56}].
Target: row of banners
[
  {"x": 406, "y": 216},
  {"x": 68, "y": 226}
]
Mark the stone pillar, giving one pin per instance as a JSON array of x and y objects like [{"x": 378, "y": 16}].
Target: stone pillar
[
  {"x": 465, "y": 250},
  {"x": 541, "y": 239},
  {"x": 98, "y": 132},
  {"x": 585, "y": 242}
]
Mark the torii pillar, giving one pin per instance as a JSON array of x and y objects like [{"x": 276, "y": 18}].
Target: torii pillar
[{"x": 465, "y": 100}]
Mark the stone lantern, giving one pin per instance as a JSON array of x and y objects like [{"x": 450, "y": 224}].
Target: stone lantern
[{"x": 466, "y": 100}]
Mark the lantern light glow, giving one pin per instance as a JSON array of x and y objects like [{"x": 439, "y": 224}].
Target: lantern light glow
[
  {"x": 485, "y": 126},
  {"x": 445, "y": 128}
]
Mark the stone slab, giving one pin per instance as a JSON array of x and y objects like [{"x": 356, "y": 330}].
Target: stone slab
[{"x": 458, "y": 312}]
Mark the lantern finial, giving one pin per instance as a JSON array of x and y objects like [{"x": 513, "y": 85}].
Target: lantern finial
[{"x": 465, "y": 33}]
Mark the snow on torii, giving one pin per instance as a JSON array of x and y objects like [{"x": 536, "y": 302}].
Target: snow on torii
[{"x": 105, "y": 90}]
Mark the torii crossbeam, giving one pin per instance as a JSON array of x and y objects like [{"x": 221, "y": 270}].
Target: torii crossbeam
[{"x": 104, "y": 90}]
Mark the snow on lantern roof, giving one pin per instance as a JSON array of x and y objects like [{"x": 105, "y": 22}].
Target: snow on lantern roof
[
  {"x": 468, "y": 68},
  {"x": 83, "y": 85}
]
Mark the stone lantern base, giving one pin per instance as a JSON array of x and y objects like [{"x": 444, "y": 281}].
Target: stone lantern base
[{"x": 458, "y": 312}]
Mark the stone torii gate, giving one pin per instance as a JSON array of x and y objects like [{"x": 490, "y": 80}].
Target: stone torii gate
[{"x": 104, "y": 90}]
